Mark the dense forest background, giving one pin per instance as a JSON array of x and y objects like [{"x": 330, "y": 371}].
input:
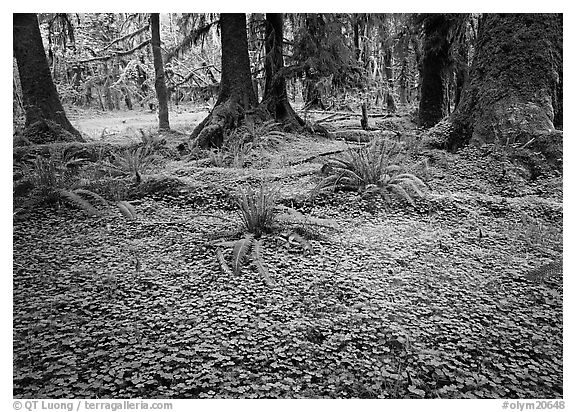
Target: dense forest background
[
  {"x": 297, "y": 205},
  {"x": 333, "y": 61}
]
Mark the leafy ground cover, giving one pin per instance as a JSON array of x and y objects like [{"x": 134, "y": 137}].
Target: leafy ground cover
[{"x": 402, "y": 301}]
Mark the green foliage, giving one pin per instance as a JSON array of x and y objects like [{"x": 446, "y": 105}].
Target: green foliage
[
  {"x": 56, "y": 180},
  {"x": 133, "y": 161},
  {"x": 257, "y": 209},
  {"x": 75, "y": 199},
  {"x": 372, "y": 169},
  {"x": 260, "y": 215},
  {"x": 241, "y": 251},
  {"x": 239, "y": 146},
  {"x": 543, "y": 272},
  {"x": 127, "y": 210},
  {"x": 48, "y": 175},
  {"x": 322, "y": 51}
]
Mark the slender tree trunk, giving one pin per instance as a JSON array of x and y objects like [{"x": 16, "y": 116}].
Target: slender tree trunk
[
  {"x": 236, "y": 95},
  {"x": 388, "y": 70},
  {"x": 435, "y": 63},
  {"x": 275, "y": 95},
  {"x": 159, "y": 84},
  {"x": 39, "y": 95},
  {"x": 356, "y": 30},
  {"x": 514, "y": 91},
  {"x": 312, "y": 95},
  {"x": 106, "y": 87}
]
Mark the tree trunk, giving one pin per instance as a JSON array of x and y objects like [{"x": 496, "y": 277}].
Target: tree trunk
[
  {"x": 312, "y": 95},
  {"x": 514, "y": 91},
  {"x": 159, "y": 84},
  {"x": 106, "y": 87},
  {"x": 461, "y": 69},
  {"x": 236, "y": 95},
  {"x": 356, "y": 38},
  {"x": 418, "y": 56},
  {"x": 41, "y": 101},
  {"x": 388, "y": 70},
  {"x": 403, "y": 80},
  {"x": 275, "y": 96},
  {"x": 435, "y": 65}
]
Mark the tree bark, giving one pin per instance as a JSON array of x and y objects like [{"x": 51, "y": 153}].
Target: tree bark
[
  {"x": 159, "y": 84},
  {"x": 403, "y": 80},
  {"x": 388, "y": 70},
  {"x": 275, "y": 96},
  {"x": 41, "y": 101},
  {"x": 236, "y": 95},
  {"x": 435, "y": 65},
  {"x": 514, "y": 90}
]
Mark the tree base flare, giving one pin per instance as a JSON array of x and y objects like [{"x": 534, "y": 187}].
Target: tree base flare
[
  {"x": 212, "y": 130},
  {"x": 45, "y": 131}
]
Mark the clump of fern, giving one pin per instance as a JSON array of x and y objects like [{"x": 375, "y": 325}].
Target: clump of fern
[
  {"x": 238, "y": 145},
  {"x": 260, "y": 215},
  {"x": 261, "y": 134},
  {"x": 374, "y": 168},
  {"x": 133, "y": 161},
  {"x": 55, "y": 181},
  {"x": 257, "y": 209}
]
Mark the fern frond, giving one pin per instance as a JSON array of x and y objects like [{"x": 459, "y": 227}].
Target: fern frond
[
  {"x": 223, "y": 265},
  {"x": 95, "y": 196},
  {"x": 412, "y": 186},
  {"x": 240, "y": 251},
  {"x": 127, "y": 210},
  {"x": 76, "y": 200},
  {"x": 399, "y": 190},
  {"x": 307, "y": 246},
  {"x": 262, "y": 268}
]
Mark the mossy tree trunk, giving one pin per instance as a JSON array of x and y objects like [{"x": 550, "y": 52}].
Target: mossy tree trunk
[
  {"x": 41, "y": 101},
  {"x": 389, "y": 71},
  {"x": 236, "y": 95},
  {"x": 160, "y": 83},
  {"x": 435, "y": 64},
  {"x": 514, "y": 90},
  {"x": 275, "y": 96}
]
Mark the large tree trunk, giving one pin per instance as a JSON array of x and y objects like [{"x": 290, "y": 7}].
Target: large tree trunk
[
  {"x": 159, "y": 84},
  {"x": 44, "y": 111},
  {"x": 275, "y": 96},
  {"x": 514, "y": 91},
  {"x": 236, "y": 94},
  {"x": 403, "y": 80},
  {"x": 435, "y": 63}
]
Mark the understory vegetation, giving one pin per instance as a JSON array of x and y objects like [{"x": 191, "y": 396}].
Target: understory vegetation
[{"x": 285, "y": 265}]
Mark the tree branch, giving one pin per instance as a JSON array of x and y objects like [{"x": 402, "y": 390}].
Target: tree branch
[
  {"x": 126, "y": 37},
  {"x": 117, "y": 54}
]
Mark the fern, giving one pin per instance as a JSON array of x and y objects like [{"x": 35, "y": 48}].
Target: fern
[
  {"x": 371, "y": 169},
  {"x": 542, "y": 272},
  {"x": 306, "y": 245},
  {"x": 92, "y": 195},
  {"x": 240, "y": 252},
  {"x": 76, "y": 200},
  {"x": 127, "y": 210},
  {"x": 262, "y": 269},
  {"x": 222, "y": 261},
  {"x": 260, "y": 214},
  {"x": 291, "y": 217},
  {"x": 257, "y": 209}
]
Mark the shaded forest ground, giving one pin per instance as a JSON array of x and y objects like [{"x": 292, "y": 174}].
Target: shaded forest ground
[{"x": 431, "y": 300}]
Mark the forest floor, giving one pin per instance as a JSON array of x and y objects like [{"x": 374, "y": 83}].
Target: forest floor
[{"x": 431, "y": 300}]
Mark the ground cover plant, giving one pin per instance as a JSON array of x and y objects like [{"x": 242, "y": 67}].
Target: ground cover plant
[
  {"x": 446, "y": 296},
  {"x": 297, "y": 205}
]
